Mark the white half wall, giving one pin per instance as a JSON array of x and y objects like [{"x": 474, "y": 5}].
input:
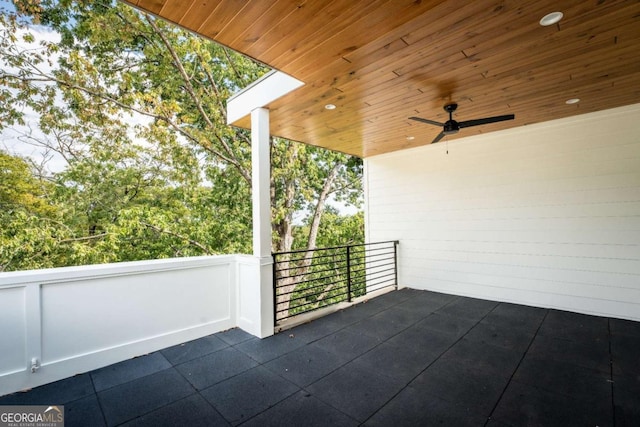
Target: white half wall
[
  {"x": 65, "y": 321},
  {"x": 545, "y": 215}
]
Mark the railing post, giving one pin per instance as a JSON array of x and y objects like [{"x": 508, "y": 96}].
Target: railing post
[
  {"x": 395, "y": 261},
  {"x": 275, "y": 290},
  {"x": 349, "y": 273}
]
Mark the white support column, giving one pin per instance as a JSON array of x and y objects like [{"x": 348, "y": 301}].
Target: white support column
[
  {"x": 261, "y": 177},
  {"x": 261, "y": 197}
]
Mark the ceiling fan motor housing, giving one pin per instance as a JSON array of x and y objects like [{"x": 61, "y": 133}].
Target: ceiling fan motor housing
[{"x": 450, "y": 127}]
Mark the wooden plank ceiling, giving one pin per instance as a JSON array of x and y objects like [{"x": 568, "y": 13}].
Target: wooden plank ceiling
[{"x": 382, "y": 61}]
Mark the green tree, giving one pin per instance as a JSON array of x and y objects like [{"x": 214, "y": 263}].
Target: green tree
[{"x": 178, "y": 181}]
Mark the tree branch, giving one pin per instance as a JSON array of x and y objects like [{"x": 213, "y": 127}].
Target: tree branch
[{"x": 179, "y": 236}]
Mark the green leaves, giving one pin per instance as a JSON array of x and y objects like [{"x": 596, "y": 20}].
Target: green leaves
[{"x": 136, "y": 108}]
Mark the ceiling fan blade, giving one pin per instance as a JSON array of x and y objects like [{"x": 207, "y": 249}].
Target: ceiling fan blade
[
  {"x": 427, "y": 121},
  {"x": 485, "y": 121},
  {"x": 437, "y": 138}
]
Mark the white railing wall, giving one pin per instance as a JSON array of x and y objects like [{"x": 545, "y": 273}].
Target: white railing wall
[{"x": 64, "y": 321}]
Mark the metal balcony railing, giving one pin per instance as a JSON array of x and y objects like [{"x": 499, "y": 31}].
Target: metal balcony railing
[{"x": 309, "y": 280}]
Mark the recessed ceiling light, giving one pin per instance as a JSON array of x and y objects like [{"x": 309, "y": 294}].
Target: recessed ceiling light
[
  {"x": 330, "y": 107},
  {"x": 411, "y": 138},
  {"x": 551, "y": 18},
  {"x": 572, "y": 101}
]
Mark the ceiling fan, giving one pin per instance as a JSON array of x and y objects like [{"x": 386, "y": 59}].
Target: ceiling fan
[{"x": 451, "y": 126}]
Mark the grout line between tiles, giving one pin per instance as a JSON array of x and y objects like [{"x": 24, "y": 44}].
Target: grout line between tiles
[{"x": 516, "y": 369}]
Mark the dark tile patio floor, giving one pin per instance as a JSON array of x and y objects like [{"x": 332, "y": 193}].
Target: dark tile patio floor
[{"x": 405, "y": 358}]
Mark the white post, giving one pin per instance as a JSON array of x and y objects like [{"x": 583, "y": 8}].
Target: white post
[
  {"x": 261, "y": 177},
  {"x": 261, "y": 197}
]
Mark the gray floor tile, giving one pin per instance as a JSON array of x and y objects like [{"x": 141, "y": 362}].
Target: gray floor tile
[
  {"x": 424, "y": 340},
  {"x": 484, "y": 357},
  {"x": 356, "y": 390},
  {"x": 626, "y": 395},
  {"x": 192, "y": 411},
  {"x": 402, "y": 363},
  {"x": 234, "y": 336},
  {"x": 501, "y": 336},
  {"x": 525, "y": 405},
  {"x": 246, "y": 395},
  {"x": 453, "y": 326},
  {"x": 439, "y": 297},
  {"x": 314, "y": 330},
  {"x": 138, "y": 397},
  {"x": 84, "y": 412},
  {"x": 349, "y": 316},
  {"x": 193, "y": 349},
  {"x": 347, "y": 345},
  {"x": 625, "y": 354},
  {"x": 421, "y": 304},
  {"x": 468, "y": 308},
  {"x": 575, "y": 327},
  {"x": 215, "y": 367},
  {"x": 385, "y": 324},
  {"x": 624, "y": 327},
  {"x": 301, "y": 409},
  {"x": 593, "y": 356},
  {"x": 263, "y": 350},
  {"x": 128, "y": 370},
  {"x": 305, "y": 365},
  {"x": 516, "y": 316},
  {"x": 57, "y": 393},
  {"x": 395, "y": 297},
  {"x": 474, "y": 390},
  {"x": 563, "y": 377},
  {"x": 413, "y": 407},
  {"x": 371, "y": 307}
]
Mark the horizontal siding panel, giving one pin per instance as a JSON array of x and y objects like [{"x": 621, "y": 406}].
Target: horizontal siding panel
[
  {"x": 612, "y": 265},
  {"x": 544, "y": 286},
  {"x": 548, "y": 214},
  {"x": 565, "y": 237},
  {"x": 589, "y": 277},
  {"x": 575, "y": 224},
  {"x": 514, "y": 197},
  {"x": 608, "y": 251},
  {"x": 582, "y": 210}
]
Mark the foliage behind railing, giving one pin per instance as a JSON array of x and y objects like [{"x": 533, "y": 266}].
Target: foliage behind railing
[{"x": 308, "y": 280}]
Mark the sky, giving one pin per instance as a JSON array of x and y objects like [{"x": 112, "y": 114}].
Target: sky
[{"x": 11, "y": 138}]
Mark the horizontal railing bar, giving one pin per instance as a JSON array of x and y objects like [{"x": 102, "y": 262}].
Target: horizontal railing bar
[
  {"x": 375, "y": 257},
  {"x": 338, "y": 264},
  {"x": 311, "y": 272},
  {"x": 377, "y": 283},
  {"x": 305, "y": 281},
  {"x": 313, "y": 287},
  {"x": 309, "y": 303},
  {"x": 339, "y": 247},
  {"x": 340, "y": 259},
  {"x": 310, "y": 258},
  {"x": 366, "y": 280},
  {"x": 372, "y": 289},
  {"x": 371, "y": 268}
]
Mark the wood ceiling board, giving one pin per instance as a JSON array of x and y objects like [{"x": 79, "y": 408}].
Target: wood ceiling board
[
  {"x": 258, "y": 25},
  {"x": 151, "y": 6},
  {"x": 175, "y": 11},
  {"x": 381, "y": 61}
]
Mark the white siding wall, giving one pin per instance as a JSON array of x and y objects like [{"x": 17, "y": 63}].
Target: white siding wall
[{"x": 545, "y": 215}]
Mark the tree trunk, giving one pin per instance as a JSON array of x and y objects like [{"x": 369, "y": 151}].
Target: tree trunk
[{"x": 287, "y": 285}]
